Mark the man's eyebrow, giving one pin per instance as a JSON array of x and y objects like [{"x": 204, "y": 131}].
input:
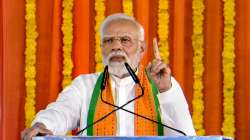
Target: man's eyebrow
[
  {"x": 125, "y": 34},
  {"x": 108, "y": 36}
]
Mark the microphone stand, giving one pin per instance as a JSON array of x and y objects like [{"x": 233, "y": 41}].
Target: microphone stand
[
  {"x": 142, "y": 89},
  {"x": 135, "y": 78},
  {"x": 105, "y": 116}
]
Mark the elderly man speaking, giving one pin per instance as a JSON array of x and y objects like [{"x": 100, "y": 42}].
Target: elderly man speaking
[{"x": 114, "y": 103}]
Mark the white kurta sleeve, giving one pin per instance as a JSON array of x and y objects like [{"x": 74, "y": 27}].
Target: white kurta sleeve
[
  {"x": 174, "y": 110},
  {"x": 63, "y": 115}
]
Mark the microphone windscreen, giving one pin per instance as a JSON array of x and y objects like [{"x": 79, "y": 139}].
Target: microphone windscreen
[
  {"x": 104, "y": 78},
  {"x": 132, "y": 73}
]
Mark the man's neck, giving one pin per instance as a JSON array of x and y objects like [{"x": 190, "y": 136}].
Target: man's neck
[
  {"x": 121, "y": 76},
  {"x": 124, "y": 75}
]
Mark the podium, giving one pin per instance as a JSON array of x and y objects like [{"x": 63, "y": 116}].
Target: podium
[{"x": 133, "y": 138}]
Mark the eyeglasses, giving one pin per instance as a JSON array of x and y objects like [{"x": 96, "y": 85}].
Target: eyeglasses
[{"x": 125, "y": 41}]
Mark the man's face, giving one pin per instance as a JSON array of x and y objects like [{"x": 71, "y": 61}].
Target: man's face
[{"x": 120, "y": 43}]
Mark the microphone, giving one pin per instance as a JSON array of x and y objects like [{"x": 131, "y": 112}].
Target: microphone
[
  {"x": 104, "y": 78},
  {"x": 132, "y": 73},
  {"x": 136, "y": 80}
]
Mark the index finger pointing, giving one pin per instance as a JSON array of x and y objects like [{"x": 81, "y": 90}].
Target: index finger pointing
[{"x": 156, "y": 49}]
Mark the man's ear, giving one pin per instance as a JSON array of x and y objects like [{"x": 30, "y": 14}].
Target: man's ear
[{"x": 143, "y": 47}]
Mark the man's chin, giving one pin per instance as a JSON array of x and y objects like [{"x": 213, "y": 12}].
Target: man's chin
[
  {"x": 116, "y": 64},
  {"x": 117, "y": 61},
  {"x": 118, "y": 69},
  {"x": 119, "y": 74}
]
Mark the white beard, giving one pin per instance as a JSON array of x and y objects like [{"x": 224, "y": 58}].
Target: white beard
[{"x": 118, "y": 68}]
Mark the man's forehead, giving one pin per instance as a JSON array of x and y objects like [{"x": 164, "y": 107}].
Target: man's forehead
[
  {"x": 130, "y": 34},
  {"x": 120, "y": 25},
  {"x": 123, "y": 22},
  {"x": 120, "y": 31}
]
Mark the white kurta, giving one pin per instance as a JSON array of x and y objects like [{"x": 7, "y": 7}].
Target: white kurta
[{"x": 71, "y": 107}]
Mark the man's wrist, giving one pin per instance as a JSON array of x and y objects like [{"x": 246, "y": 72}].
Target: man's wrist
[
  {"x": 39, "y": 125},
  {"x": 166, "y": 89}
]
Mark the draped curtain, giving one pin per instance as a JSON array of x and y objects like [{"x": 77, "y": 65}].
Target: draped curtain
[{"x": 49, "y": 55}]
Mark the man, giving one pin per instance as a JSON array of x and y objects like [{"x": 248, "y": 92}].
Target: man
[{"x": 81, "y": 104}]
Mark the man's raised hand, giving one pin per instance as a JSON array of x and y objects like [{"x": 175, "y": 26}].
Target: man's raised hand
[{"x": 159, "y": 71}]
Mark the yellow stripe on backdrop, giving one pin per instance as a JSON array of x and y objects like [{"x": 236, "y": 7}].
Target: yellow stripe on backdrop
[
  {"x": 67, "y": 30},
  {"x": 228, "y": 55},
  {"x": 198, "y": 66},
  {"x": 128, "y": 7},
  {"x": 30, "y": 61},
  {"x": 99, "y": 17},
  {"x": 163, "y": 29}
]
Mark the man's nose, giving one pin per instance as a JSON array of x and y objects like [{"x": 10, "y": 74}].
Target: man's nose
[{"x": 116, "y": 45}]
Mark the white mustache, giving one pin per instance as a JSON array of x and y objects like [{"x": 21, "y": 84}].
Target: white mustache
[{"x": 117, "y": 53}]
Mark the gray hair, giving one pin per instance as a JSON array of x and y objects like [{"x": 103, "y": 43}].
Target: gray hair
[{"x": 121, "y": 16}]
